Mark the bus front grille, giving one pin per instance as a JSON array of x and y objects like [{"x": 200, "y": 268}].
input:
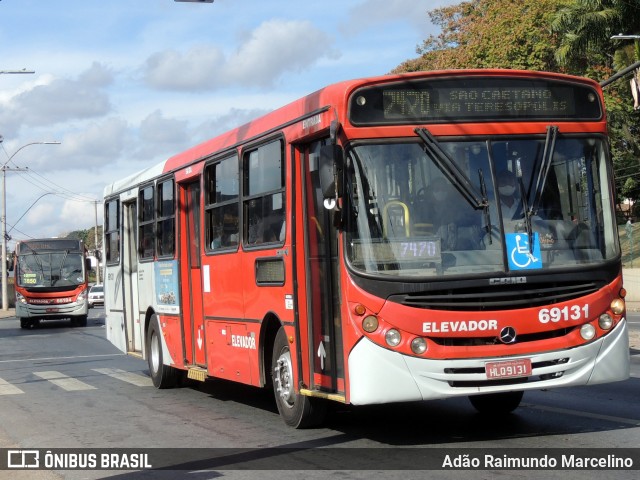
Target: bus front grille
[{"x": 503, "y": 297}]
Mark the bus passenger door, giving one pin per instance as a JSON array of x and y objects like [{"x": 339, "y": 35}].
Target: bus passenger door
[
  {"x": 191, "y": 274},
  {"x": 322, "y": 293},
  {"x": 130, "y": 278}
]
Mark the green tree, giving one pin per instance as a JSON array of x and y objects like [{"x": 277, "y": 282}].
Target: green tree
[
  {"x": 570, "y": 36},
  {"x": 490, "y": 34},
  {"x": 88, "y": 237},
  {"x": 585, "y": 28}
]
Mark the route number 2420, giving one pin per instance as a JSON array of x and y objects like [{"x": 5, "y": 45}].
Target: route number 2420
[{"x": 567, "y": 313}]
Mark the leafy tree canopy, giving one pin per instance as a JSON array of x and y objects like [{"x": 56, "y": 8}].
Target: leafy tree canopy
[
  {"x": 490, "y": 34},
  {"x": 567, "y": 36}
]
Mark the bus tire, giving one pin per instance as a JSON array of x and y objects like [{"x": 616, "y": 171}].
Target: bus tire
[
  {"x": 80, "y": 321},
  {"x": 25, "y": 323},
  {"x": 163, "y": 376},
  {"x": 497, "y": 403},
  {"x": 298, "y": 411}
]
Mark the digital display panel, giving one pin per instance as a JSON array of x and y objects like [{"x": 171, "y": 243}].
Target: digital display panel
[
  {"x": 426, "y": 249},
  {"x": 31, "y": 246},
  {"x": 473, "y": 98}
]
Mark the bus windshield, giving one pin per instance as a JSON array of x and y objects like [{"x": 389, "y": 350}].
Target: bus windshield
[
  {"x": 49, "y": 269},
  {"x": 489, "y": 205}
]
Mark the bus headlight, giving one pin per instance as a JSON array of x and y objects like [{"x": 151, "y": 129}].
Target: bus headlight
[
  {"x": 393, "y": 337},
  {"x": 418, "y": 345},
  {"x": 20, "y": 298},
  {"x": 588, "y": 331},
  {"x": 605, "y": 321},
  {"x": 370, "y": 324},
  {"x": 617, "y": 306}
]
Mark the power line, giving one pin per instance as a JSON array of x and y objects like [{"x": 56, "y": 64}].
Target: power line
[{"x": 46, "y": 184}]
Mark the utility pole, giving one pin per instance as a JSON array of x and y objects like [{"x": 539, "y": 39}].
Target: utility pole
[
  {"x": 5, "y": 275},
  {"x": 5, "y": 294}
]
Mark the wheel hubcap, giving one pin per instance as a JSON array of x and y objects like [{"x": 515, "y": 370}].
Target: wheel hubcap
[
  {"x": 283, "y": 378},
  {"x": 155, "y": 352}
]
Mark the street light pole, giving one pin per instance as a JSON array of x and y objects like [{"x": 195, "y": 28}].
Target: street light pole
[
  {"x": 625, "y": 71},
  {"x": 27, "y": 211},
  {"x": 5, "y": 300},
  {"x": 24, "y": 70}
]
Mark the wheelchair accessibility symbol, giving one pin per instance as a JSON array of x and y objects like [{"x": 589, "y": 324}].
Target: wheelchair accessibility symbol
[{"x": 521, "y": 257}]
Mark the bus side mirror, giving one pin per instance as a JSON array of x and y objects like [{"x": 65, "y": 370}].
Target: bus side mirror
[
  {"x": 87, "y": 264},
  {"x": 330, "y": 173}
]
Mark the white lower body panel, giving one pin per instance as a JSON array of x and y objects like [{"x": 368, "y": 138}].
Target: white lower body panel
[{"x": 379, "y": 375}]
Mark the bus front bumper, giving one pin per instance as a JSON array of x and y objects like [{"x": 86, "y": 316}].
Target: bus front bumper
[
  {"x": 379, "y": 375},
  {"x": 66, "y": 310}
]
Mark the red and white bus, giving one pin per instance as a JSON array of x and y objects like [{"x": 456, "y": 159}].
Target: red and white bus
[
  {"x": 358, "y": 245},
  {"x": 51, "y": 281}
]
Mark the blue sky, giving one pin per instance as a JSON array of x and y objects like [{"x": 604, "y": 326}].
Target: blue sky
[{"x": 125, "y": 84}]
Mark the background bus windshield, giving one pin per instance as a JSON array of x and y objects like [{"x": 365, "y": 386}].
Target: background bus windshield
[
  {"x": 406, "y": 218},
  {"x": 50, "y": 269}
]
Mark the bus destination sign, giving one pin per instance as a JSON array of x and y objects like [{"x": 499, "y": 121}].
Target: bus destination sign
[
  {"x": 51, "y": 244},
  {"x": 484, "y": 99}
]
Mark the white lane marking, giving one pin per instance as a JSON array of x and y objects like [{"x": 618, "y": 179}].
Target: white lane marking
[
  {"x": 63, "y": 381},
  {"x": 129, "y": 377},
  {"x": 62, "y": 358},
  {"x": 576, "y": 413},
  {"x": 7, "y": 389}
]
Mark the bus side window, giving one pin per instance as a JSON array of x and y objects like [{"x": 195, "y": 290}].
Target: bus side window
[
  {"x": 221, "y": 204},
  {"x": 264, "y": 199}
]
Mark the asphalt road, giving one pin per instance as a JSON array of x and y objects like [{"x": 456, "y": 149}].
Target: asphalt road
[{"x": 63, "y": 387}]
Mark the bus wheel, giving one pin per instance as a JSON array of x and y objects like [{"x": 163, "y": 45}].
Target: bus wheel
[
  {"x": 496, "y": 403},
  {"x": 25, "y": 323},
  {"x": 297, "y": 410},
  {"x": 163, "y": 376},
  {"x": 79, "y": 321}
]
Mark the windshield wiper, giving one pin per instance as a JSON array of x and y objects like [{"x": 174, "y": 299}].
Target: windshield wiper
[
  {"x": 483, "y": 192},
  {"x": 545, "y": 167},
  {"x": 36, "y": 257},
  {"x": 456, "y": 176},
  {"x": 543, "y": 173},
  {"x": 60, "y": 277}
]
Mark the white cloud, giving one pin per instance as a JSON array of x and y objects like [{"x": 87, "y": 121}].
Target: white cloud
[
  {"x": 41, "y": 213},
  {"x": 58, "y": 101},
  {"x": 276, "y": 47},
  {"x": 158, "y": 129},
  {"x": 94, "y": 146},
  {"x": 161, "y": 136},
  {"x": 123, "y": 85},
  {"x": 234, "y": 118},
  {"x": 273, "y": 49},
  {"x": 194, "y": 70}
]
